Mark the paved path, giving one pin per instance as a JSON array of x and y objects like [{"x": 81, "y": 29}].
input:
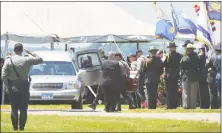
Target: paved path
[{"x": 211, "y": 117}]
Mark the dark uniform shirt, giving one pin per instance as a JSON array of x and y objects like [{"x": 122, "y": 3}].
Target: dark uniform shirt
[
  {"x": 211, "y": 70},
  {"x": 202, "y": 62},
  {"x": 110, "y": 72},
  {"x": 153, "y": 69},
  {"x": 190, "y": 67},
  {"x": 172, "y": 65}
]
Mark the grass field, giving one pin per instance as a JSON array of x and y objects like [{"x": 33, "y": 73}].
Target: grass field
[
  {"x": 158, "y": 110},
  {"x": 41, "y": 123}
]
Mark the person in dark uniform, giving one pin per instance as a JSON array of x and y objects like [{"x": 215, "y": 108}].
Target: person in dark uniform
[
  {"x": 190, "y": 76},
  {"x": 185, "y": 50},
  {"x": 16, "y": 80},
  {"x": 153, "y": 69},
  {"x": 203, "y": 86},
  {"x": 124, "y": 81},
  {"x": 214, "y": 77},
  {"x": 211, "y": 80},
  {"x": 99, "y": 93},
  {"x": 2, "y": 63},
  {"x": 111, "y": 82},
  {"x": 217, "y": 65},
  {"x": 172, "y": 74}
]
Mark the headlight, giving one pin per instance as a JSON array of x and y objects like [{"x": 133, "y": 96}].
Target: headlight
[{"x": 73, "y": 85}]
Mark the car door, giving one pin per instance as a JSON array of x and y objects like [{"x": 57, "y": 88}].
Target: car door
[{"x": 89, "y": 64}]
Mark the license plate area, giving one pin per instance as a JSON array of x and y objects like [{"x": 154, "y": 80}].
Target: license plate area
[{"x": 47, "y": 96}]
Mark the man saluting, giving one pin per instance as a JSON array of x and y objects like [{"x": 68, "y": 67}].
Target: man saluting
[{"x": 15, "y": 77}]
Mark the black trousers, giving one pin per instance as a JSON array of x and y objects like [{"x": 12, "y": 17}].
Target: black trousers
[
  {"x": 111, "y": 97},
  {"x": 218, "y": 85},
  {"x": 99, "y": 94},
  {"x": 19, "y": 102},
  {"x": 172, "y": 95},
  {"x": 152, "y": 94},
  {"x": 214, "y": 102},
  {"x": 204, "y": 94},
  {"x": 123, "y": 88}
]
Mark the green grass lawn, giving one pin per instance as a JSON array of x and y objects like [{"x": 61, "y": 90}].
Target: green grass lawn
[
  {"x": 50, "y": 123},
  {"x": 158, "y": 110}
]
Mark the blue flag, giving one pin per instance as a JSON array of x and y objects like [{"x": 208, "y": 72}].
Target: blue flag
[
  {"x": 182, "y": 23},
  {"x": 214, "y": 11},
  {"x": 164, "y": 27}
]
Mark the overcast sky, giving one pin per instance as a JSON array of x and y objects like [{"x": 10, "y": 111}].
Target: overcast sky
[{"x": 146, "y": 12}]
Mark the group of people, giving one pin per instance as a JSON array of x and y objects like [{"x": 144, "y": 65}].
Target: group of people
[
  {"x": 200, "y": 77},
  {"x": 115, "y": 81}
]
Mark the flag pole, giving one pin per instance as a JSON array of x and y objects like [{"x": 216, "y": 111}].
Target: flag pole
[{"x": 210, "y": 29}]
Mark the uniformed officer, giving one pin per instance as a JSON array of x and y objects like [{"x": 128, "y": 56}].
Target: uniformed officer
[
  {"x": 1, "y": 87},
  {"x": 203, "y": 86},
  {"x": 140, "y": 76},
  {"x": 211, "y": 80},
  {"x": 110, "y": 82},
  {"x": 124, "y": 81},
  {"x": 190, "y": 77},
  {"x": 217, "y": 65},
  {"x": 171, "y": 76},
  {"x": 15, "y": 77},
  {"x": 153, "y": 69}
]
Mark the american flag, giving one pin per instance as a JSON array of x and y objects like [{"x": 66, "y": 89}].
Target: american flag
[{"x": 197, "y": 9}]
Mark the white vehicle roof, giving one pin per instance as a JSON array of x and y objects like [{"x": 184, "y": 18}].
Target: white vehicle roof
[{"x": 55, "y": 55}]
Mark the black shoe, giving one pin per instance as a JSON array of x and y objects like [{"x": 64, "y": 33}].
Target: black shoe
[
  {"x": 119, "y": 109},
  {"x": 15, "y": 128},
  {"x": 131, "y": 107},
  {"x": 93, "y": 106},
  {"x": 21, "y": 128}
]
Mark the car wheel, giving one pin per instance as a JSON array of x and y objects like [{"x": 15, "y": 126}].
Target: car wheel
[{"x": 77, "y": 104}]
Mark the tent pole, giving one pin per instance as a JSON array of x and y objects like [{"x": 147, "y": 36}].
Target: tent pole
[
  {"x": 6, "y": 44},
  {"x": 52, "y": 45},
  {"x": 66, "y": 47},
  {"x": 137, "y": 45}
]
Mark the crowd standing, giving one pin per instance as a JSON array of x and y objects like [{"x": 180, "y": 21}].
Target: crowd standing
[
  {"x": 200, "y": 77},
  {"x": 198, "y": 74}
]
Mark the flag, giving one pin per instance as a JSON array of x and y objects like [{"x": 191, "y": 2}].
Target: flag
[
  {"x": 197, "y": 9},
  {"x": 182, "y": 23},
  {"x": 213, "y": 25},
  {"x": 213, "y": 8},
  {"x": 164, "y": 27},
  {"x": 204, "y": 32}
]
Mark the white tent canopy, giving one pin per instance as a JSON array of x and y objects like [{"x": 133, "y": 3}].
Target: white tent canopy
[{"x": 68, "y": 19}]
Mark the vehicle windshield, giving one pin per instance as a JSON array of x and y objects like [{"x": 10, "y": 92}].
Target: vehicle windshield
[
  {"x": 88, "y": 60},
  {"x": 53, "y": 68}
]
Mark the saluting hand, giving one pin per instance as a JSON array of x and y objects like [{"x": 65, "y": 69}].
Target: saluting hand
[{"x": 28, "y": 52}]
